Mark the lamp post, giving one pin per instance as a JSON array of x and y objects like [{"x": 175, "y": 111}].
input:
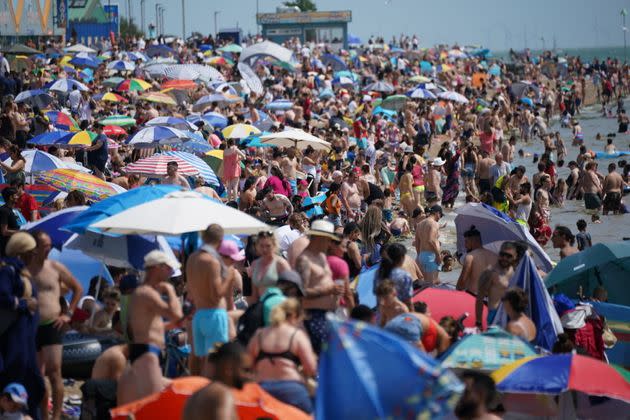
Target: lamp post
[
  {"x": 184, "y": 20},
  {"x": 162, "y": 9},
  {"x": 142, "y": 16},
  {"x": 623, "y": 13},
  {"x": 216, "y": 29},
  {"x": 157, "y": 19}
]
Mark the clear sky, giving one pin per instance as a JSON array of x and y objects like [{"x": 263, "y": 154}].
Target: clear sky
[{"x": 497, "y": 24}]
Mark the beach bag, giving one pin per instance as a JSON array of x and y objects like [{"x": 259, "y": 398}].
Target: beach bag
[
  {"x": 251, "y": 321},
  {"x": 608, "y": 336}
]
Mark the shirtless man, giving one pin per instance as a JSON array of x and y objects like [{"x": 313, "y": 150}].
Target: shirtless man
[
  {"x": 278, "y": 206},
  {"x": 542, "y": 198},
  {"x": 173, "y": 177},
  {"x": 52, "y": 279},
  {"x": 427, "y": 244},
  {"x": 350, "y": 197},
  {"x": 507, "y": 150},
  {"x": 613, "y": 185},
  {"x": 477, "y": 260},
  {"x": 289, "y": 165},
  {"x": 147, "y": 308},
  {"x": 493, "y": 282},
  {"x": 573, "y": 180},
  {"x": 247, "y": 198},
  {"x": 207, "y": 287},
  {"x": 563, "y": 238},
  {"x": 592, "y": 187},
  {"x": 433, "y": 180},
  {"x": 484, "y": 165},
  {"x": 320, "y": 292},
  {"x": 111, "y": 363}
]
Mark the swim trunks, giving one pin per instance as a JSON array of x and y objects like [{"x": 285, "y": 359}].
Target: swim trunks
[
  {"x": 210, "y": 326},
  {"x": 426, "y": 261},
  {"x": 592, "y": 201},
  {"x": 47, "y": 335},
  {"x": 612, "y": 201},
  {"x": 136, "y": 350},
  {"x": 484, "y": 186},
  {"x": 491, "y": 314}
]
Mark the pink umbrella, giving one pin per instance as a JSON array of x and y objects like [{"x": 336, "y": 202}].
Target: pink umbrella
[{"x": 156, "y": 165}]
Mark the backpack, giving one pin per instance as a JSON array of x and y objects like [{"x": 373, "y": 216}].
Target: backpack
[{"x": 251, "y": 320}]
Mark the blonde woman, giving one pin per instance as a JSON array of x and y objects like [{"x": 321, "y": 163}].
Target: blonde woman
[
  {"x": 268, "y": 266},
  {"x": 279, "y": 350}
]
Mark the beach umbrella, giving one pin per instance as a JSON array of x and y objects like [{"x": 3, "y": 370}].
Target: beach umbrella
[
  {"x": 175, "y": 122},
  {"x": 618, "y": 320},
  {"x": 494, "y": 70},
  {"x": 110, "y": 97},
  {"x": 85, "y": 61},
  {"x": 603, "y": 264},
  {"x": 455, "y": 54},
  {"x": 194, "y": 147},
  {"x": 296, "y": 138},
  {"x": 205, "y": 171},
  {"x": 334, "y": 61},
  {"x": 219, "y": 61},
  {"x": 421, "y": 93},
  {"x": 37, "y": 97},
  {"x": 179, "y": 84},
  {"x": 67, "y": 180},
  {"x": 20, "y": 49},
  {"x": 448, "y": 302},
  {"x": 79, "y": 48},
  {"x": 496, "y": 227},
  {"x": 112, "y": 82},
  {"x": 380, "y": 86},
  {"x": 215, "y": 119},
  {"x": 311, "y": 206},
  {"x": 395, "y": 102},
  {"x": 239, "y": 131},
  {"x": 159, "y": 50},
  {"x": 423, "y": 389},
  {"x": 117, "y": 203},
  {"x": 419, "y": 79},
  {"x": 158, "y": 135},
  {"x": 119, "y": 120},
  {"x": 214, "y": 159},
  {"x": 192, "y": 72},
  {"x": 389, "y": 113},
  {"x": 67, "y": 85},
  {"x": 188, "y": 211},
  {"x": 114, "y": 130},
  {"x": 137, "y": 85},
  {"x": 126, "y": 251},
  {"x": 158, "y": 98},
  {"x": 84, "y": 268},
  {"x": 251, "y": 78},
  {"x": 38, "y": 161},
  {"x": 266, "y": 49},
  {"x": 522, "y": 88},
  {"x": 137, "y": 55},
  {"x": 279, "y": 105},
  {"x": 53, "y": 224},
  {"x": 527, "y": 101},
  {"x": 48, "y": 138},
  {"x": 62, "y": 121},
  {"x": 80, "y": 138},
  {"x": 453, "y": 96},
  {"x": 121, "y": 65},
  {"x": 559, "y": 373},
  {"x": 255, "y": 141},
  {"x": 326, "y": 94},
  {"x": 487, "y": 351},
  {"x": 156, "y": 166},
  {"x": 231, "y": 48}
]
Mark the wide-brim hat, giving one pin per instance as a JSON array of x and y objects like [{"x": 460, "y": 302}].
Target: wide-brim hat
[{"x": 324, "y": 229}]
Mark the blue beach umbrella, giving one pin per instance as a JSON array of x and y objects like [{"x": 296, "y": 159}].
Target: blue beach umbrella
[
  {"x": 312, "y": 205},
  {"x": 387, "y": 376},
  {"x": 160, "y": 50},
  {"x": 158, "y": 135},
  {"x": 215, "y": 119},
  {"x": 527, "y": 101},
  {"x": 194, "y": 147},
  {"x": 334, "y": 61},
  {"x": 426, "y": 67},
  {"x": 175, "y": 122},
  {"x": 50, "y": 138},
  {"x": 53, "y": 223},
  {"x": 67, "y": 85},
  {"x": 83, "y": 267},
  {"x": 85, "y": 62},
  {"x": 37, "y": 97},
  {"x": 421, "y": 93},
  {"x": 205, "y": 171},
  {"x": 121, "y": 65}
]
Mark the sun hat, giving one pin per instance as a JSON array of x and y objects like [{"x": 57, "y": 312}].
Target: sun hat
[
  {"x": 438, "y": 161},
  {"x": 157, "y": 257},
  {"x": 406, "y": 326},
  {"x": 229, "y": 249},
  {"x": 20, "y": 243},
  {"x": 323, "y": 228},
  {"x": 17, "y": 393}
]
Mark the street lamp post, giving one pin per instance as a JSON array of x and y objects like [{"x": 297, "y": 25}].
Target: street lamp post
[
  {"x": 216, "y": 29},
  {"x": 157, "y": 19},
  {"x": 162, "y": 9},
  {"x": 184, "y": 20},
  {"x": 623, "y": 13},
  {"x": 142, "y": 16}
]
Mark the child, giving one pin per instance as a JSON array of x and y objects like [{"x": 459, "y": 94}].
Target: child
[
  {"x": 595, "y": 219},
  {"x": 13, "y": 402},
  {"x": 389, "y": 306},
  {"x": 447, "y": 261},
  {"x": 332, "y": 204},
  {"x": 102, "y": 322},
  {"x": 400, "y": 226},
  {"x": 583, "y": 237},
  {"x": 560, "y": 192},
  {"x": 388, "y": 216},
  {"x": 302, "y": 188}
]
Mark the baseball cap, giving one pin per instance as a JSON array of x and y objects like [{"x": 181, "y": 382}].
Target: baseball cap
[
  {"x": 435, "y": 209},
  {"x": 229, "y": 248},
  {"x": 406, "y": 326},
  {"x": 157, "y": 257},
  {"x": 17, "y": 392}
]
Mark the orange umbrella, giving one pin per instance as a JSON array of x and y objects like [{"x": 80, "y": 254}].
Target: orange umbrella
[
  {"x": 252, "y": 402},
  {"x": 168, "y": 404},
  {"x": 179, "y": 84}
]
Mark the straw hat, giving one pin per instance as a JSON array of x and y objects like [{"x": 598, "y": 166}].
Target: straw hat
[{"x": 323, "y": 228}]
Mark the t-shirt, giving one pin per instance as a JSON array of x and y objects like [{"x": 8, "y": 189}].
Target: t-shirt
[
  {"x": 275, "y": 298},
  {"x": 338, "y": 266},
  {"x": 7, "y": 217},
  {"x": 27, "y": 205},
  {"x": 583, "y": 240}
]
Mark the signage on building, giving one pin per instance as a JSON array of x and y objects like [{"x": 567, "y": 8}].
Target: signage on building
[
  {"x": 342, "y": 16},
  {"x": 112, "y": 14},
  {"x": 26, "y": 17}
]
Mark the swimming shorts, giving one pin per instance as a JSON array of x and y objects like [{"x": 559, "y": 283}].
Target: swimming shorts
[
  {"x": 136, "y": 350},
  {"x": 612, "y": 201},
  {"x": 426, "y": 261},
  {"x": 491, "y": 314},
  {"x": 47, "y": 335},
  {"x": 210, "y": 326},
  {"x": 484, "y": 186},
  {"x": 592, "y": 201}
]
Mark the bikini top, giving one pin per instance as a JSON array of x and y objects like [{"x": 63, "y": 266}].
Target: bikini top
[
  {"x": 287, "y": 354},
  {"x": 269, "y": 278}
]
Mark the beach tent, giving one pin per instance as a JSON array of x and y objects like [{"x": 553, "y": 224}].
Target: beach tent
[{"x": 267, "y": 49}]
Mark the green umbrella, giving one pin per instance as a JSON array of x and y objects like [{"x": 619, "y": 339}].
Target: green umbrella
[
  {"x": 604, "y": 264},
  {"x": 232, "y": 48},
  {"x": 118, "y": 120},
  {"x": 112, "y": 82},
  {"x": 395, "y": 102},
  {"x": 20, "y": 49}
]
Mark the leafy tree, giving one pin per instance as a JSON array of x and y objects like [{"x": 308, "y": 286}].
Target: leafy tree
[
  {"x": 304, "y": 5},
  {"x": 128, "y": 28}
]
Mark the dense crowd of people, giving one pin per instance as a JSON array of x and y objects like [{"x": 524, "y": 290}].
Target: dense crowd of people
[{"x": 258, "y": 311}]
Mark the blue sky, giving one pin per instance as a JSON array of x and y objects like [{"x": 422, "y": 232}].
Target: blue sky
[{"x": 496, "y": 24}]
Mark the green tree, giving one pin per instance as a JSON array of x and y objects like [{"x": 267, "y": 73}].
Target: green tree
[
  {"x": 129, "y": 28},
  {"x": 304, "y": 5}
]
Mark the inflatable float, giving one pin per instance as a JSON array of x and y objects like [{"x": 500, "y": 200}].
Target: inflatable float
[
  {"x": 604, "y": 155},
  {"x": 80, "y": 352}
]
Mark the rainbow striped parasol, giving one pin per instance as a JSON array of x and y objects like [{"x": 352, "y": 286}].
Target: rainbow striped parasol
[
  {"x": 67, "y": 180},
  {"x": 133, "y": 84},
  {"x": 62, "y": 121}
]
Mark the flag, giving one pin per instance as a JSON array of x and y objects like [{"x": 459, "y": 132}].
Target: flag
[{"x": 540, "y": 308}]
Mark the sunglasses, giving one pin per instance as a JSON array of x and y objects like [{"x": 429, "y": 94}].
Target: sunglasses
[{"x": 265, "y": 234}]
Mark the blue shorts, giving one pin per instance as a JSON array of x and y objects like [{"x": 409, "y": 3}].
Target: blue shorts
[
  {"x": 491, "y": 314},
  {"x": 290, "y": 392},
  {"x": 426, "y": 261},
  {"x": 210, "y": 326},
  {"x": 293, "y": 183}
]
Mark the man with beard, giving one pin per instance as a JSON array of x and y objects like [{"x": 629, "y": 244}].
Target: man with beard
[{"x": 477, "y": 260}]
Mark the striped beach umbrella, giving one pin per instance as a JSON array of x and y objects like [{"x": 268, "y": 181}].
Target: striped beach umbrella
[
  {"x": 37, "y": 161},
  {"x": 133, "y": 85},
  {"x": 453, "y": 96},
  {"x": 421, "y": 93},
  {"x": 239, "y": 131},
  {"x": 174, "y": 122},
  {"x": 179, "y": 84},
  {"x": 67, "y": 180},
  {"x": 114, "y": 130},
  {"x": 67, "y": 85},
  {"x": 119, "y": 120},
  {"x": 121, "y": 65},
  {"x": 205, "y": 171},
  {"x": 158, "y": 135},
  {"x": 81, "y": 138},
  {"x": 62, "y": 121},
  {"x": 158, "y": 98},
  {"x": 156, "y": 166},
  {"x": 110, "y": 97}
]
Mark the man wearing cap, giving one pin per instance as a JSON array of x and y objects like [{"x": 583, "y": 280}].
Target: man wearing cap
[
  {"x": 18, "y": 321},
  {"x": 433, "y": 180},
  {"x": 208, "y": 285},
  {"x": 152, "y": 301},
  {"x": 52, "y": 279},
  {"x": 320, "y": 292},
  {"x": 427, "y": 244},
  {"x": 477, "y": 260},
  {"x": 173, "y": 177},
  {"x": 13, "y": 402}
]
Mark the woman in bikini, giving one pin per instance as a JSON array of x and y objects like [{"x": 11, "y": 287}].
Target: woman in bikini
[
  {"x": 268, "y": 266},
  {"x": 279, "y": 350}
]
